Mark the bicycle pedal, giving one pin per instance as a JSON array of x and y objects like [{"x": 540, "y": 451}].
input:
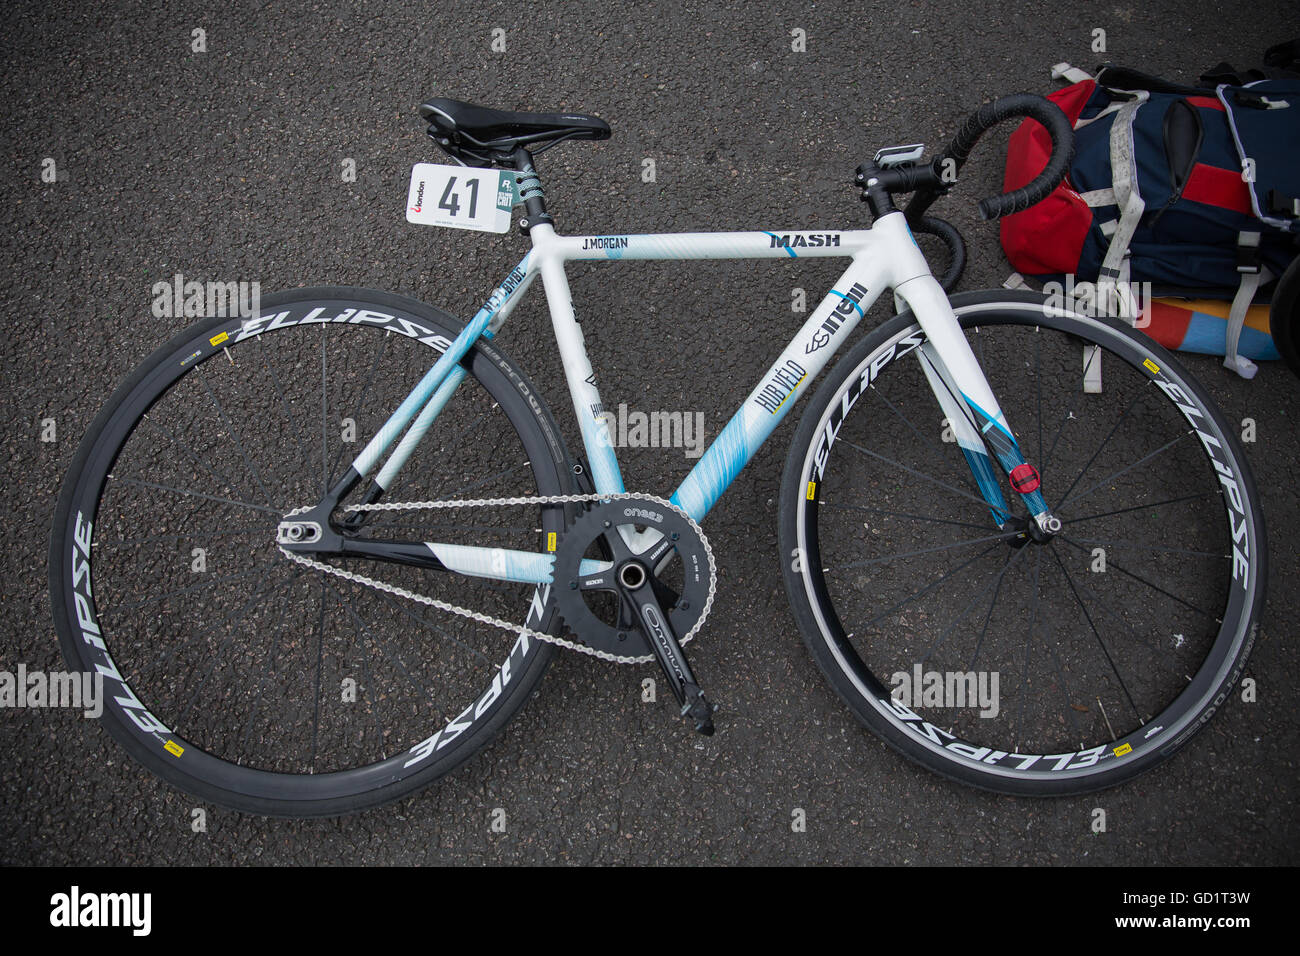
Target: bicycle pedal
[{"x": 698, "y": 708}]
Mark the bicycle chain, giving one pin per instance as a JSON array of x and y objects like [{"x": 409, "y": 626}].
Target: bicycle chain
[{"x": 521, "y": 629}]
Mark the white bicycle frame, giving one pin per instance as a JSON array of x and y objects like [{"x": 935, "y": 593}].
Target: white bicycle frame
[{"x": 883, "y": 257}]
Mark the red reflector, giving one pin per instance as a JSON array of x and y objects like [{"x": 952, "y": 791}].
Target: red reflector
[{"x": 1024, "y": 478}]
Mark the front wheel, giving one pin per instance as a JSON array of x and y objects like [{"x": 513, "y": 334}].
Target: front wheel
[{"x": 1027, "y": 667}]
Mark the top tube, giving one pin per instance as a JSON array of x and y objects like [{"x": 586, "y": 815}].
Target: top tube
[{"x": 795, "y": 244}]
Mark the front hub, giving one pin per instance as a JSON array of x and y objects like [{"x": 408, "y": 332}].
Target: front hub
[{"x": 1039, "y": 529}]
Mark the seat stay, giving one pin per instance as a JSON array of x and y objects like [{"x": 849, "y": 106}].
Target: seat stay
[{"x": 435, "y": 389}]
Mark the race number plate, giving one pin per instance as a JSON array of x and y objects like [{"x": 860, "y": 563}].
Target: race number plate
[{"x": 460, "y": 197}]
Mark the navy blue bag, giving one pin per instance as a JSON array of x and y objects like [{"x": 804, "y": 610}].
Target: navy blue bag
[{"x": 1195, "y": 190}]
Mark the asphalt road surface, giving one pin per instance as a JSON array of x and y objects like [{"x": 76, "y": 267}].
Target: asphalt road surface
[{"x": 227, "y": 164}]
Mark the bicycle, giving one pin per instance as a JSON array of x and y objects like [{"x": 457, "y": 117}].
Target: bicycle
[{"x": 259, "y": 608}]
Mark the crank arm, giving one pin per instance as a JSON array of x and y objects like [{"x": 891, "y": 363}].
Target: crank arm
[{"x": 668, "y": 652}]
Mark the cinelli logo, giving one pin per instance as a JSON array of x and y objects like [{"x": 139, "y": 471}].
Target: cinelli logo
[
  {"x": 795, "y": 240},
  {"x": 848, "y": 303}
]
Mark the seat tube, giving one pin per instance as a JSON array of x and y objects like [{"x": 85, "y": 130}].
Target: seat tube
[{"x": 587, "y": 406}]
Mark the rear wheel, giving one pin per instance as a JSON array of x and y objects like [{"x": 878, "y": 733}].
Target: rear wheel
[
  {"x": 252, "y": 681},
  {"x": 1018, "y": 666}
]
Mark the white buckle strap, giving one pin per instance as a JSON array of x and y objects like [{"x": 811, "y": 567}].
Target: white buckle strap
[
  {"x": 1250, "y": 283},
  {"x": 1071, "y": 74}
]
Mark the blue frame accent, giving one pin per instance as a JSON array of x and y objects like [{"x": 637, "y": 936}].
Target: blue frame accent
[
  {"x": 1008, "y": 458},
  {"x": 433, "y": 378}
]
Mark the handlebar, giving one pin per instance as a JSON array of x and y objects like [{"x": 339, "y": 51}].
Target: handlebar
[
  {"x": 930, "y": 181},
  {"x": 880, "y": 180},
  {"x": 1029, "y": 106}
]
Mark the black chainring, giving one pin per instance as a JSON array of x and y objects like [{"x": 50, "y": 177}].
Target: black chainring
[{"x": 598, "y": 526}]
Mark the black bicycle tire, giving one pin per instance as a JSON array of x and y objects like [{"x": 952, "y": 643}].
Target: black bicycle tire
[
  {"x": 523, "y": 406},
  {"x": 1232, "y": 649}
]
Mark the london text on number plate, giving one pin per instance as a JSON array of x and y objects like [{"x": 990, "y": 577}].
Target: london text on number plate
[{"x": 460, "y": 197}]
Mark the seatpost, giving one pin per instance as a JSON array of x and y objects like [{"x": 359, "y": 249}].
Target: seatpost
[{"x": 530, "y": 191}]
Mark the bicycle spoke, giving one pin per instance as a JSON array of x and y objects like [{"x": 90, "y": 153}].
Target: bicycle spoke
[
  {"x": 424, "y": 622},
  {"x": 1019, "y": 726},
  {"x": 1136, "y": 577},
  {"x": 359, "y": 404},
  {"x": 929, "y": 587},
  {"x": 260, "y": 696},
  {"x": 221, "y": 480},
  {"x": 153, "y": 485},
  {"x": 234, "y": 436},
  {"x": 1158, "y": 504},
  {"x": 1060, "y": 429},
  {"x": 1064, "y": 684},
  {"x": 155, "y": 538},
  {"x": 1123, "y": 544},
  {"x": 957, "y": 399},
  {"x": 320, "y": 664},
  {"x": 1065, "y": 502},
  {"x": 264, "y": 591},
  {"x": 952, "y": 625},
  {"x": 1105, "y": 606},
  {"x": 370, "y": 687},
  {"x": 216, "y": 657},
  {"x": 979, "y": 642},
  {"x": 1069, "y": 416},
  {"x": 225, "y": 579},
  {"x": 1095, "y": 633},
  {"x": 395, "y": 659},
  {"x": 288, "y": 409},
  {"x": 903, "y": 514},
  {"x": 907, "y": 421},
  {"x": 1006, "y": 536},
  {"x": 1104, "y": 442},
  {"x": 912, "y": 471}
]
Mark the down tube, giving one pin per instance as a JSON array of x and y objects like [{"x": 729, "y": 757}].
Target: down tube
[{"x": 786, "y": 380}]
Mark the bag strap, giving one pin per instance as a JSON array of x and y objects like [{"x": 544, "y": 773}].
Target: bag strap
[
  {"x": 1112, "y": 282},
  {"x": 1123, "y": 78},
  {"x": 1253, "y": 275}
]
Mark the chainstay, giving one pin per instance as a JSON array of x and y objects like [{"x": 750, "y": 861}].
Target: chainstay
[{"x": 480, "y": 617}]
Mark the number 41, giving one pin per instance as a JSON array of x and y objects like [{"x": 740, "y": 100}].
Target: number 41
[{"x": 451, "y": 203}]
